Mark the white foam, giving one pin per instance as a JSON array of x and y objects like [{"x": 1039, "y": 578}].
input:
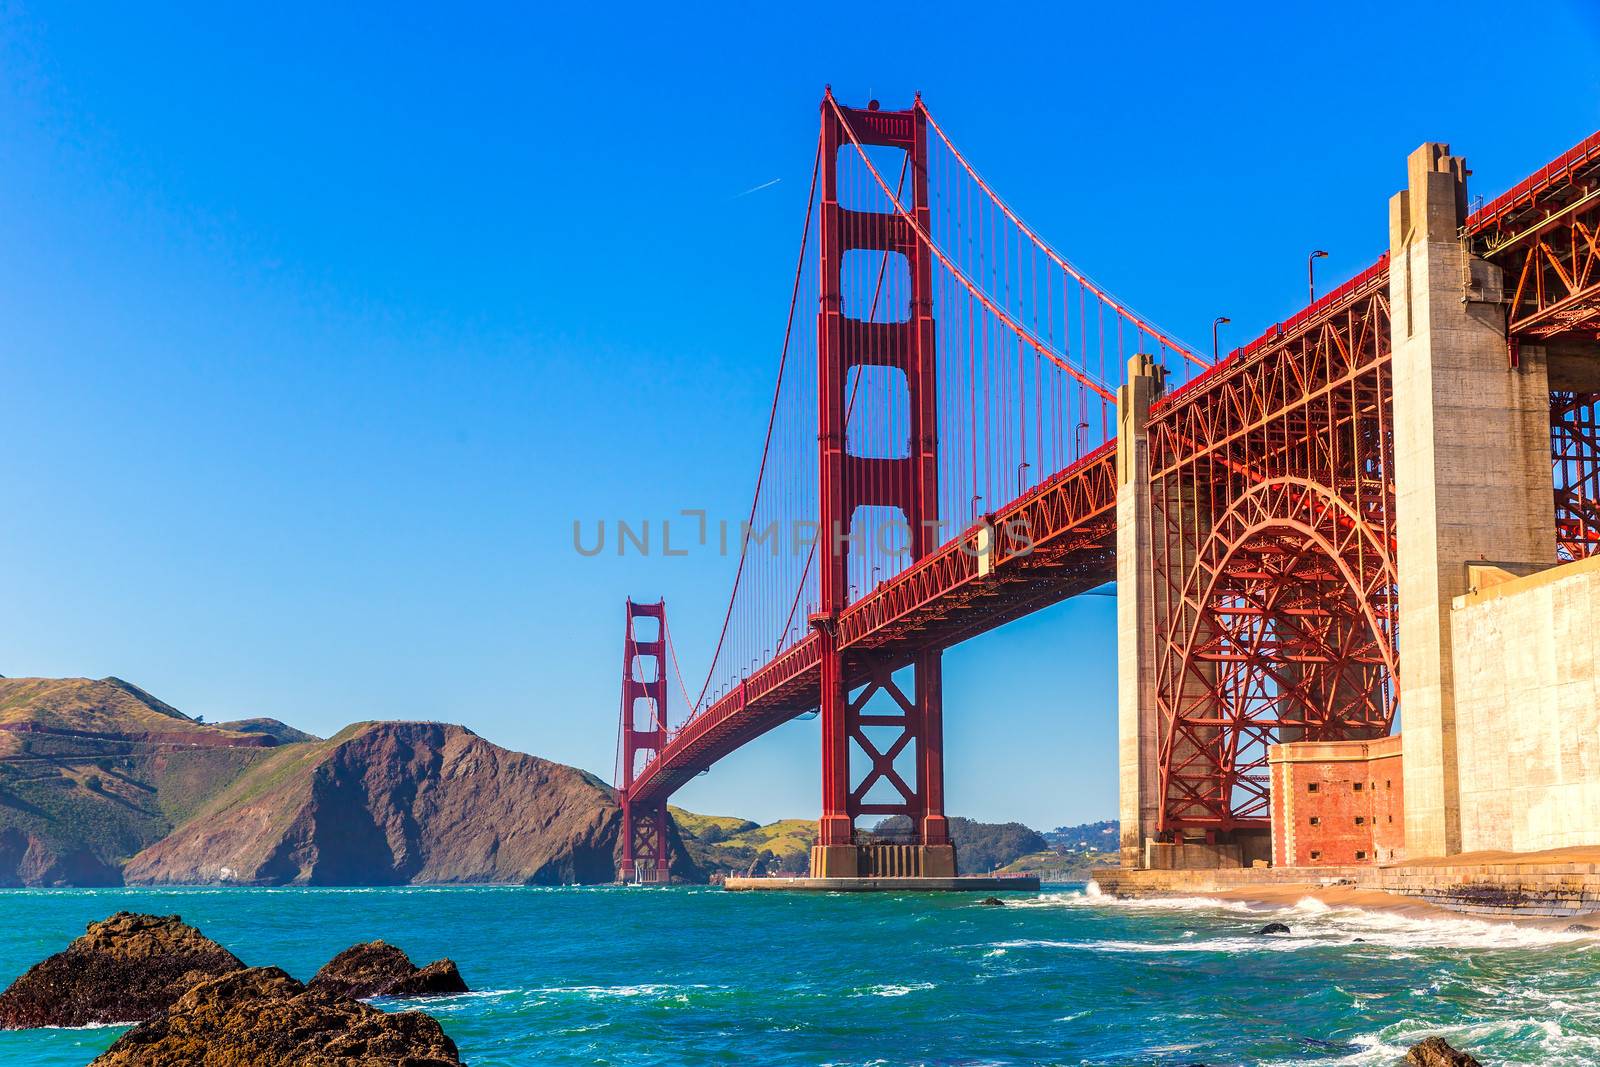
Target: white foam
[
  {"x": 1339, "y": 923},
  {"x": 893, "y": 990},
  {"x": 443, "y": 1002},
  {"x": 1314, "y": 924},
  {"x": 1232, "y": 945},
  {"x": 598, "y": 992},
  {"x": 1394, "y": 930},
  {"x": 1542, "y": 1041},
  {"x": 1092, "y": 897}
]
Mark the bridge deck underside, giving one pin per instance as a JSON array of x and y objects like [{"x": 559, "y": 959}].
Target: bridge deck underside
[{"x": 1055, "y": 542}]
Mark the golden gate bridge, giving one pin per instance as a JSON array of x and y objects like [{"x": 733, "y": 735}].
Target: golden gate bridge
[{"x": 959, "y": 417}]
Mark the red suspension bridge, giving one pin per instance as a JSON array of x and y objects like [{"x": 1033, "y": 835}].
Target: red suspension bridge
[{"x": 942, "y": 457}]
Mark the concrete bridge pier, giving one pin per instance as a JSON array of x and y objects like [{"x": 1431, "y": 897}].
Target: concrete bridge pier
[
  {"x": 1472, "y": 465},
  {"x": 1137, "y": 723}
]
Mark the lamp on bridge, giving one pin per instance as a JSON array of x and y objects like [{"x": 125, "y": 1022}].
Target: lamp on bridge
[
  {"x": 1218, "y": 321},
  {"x": 1311, "y": 272}
]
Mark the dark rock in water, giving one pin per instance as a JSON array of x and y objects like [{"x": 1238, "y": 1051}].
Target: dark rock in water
[
  {"x": 124, "y": 969},
  {"x": 263, "y": 1018},
  {"x": 376, "y": 969},
  {"x": 992, "y": 902},
  {"x": 1579, "y": 928},
  {"x": 1436, "y": 1052},
  {"x": 1273, "y": 928}
]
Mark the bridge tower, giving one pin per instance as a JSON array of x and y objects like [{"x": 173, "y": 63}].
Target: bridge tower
[
  {"x": 646, "y": 853},
  {"x": 848, "y": 481}
]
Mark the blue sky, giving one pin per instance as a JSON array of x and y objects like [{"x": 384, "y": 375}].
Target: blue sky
[{"x": 318, "y": 328}]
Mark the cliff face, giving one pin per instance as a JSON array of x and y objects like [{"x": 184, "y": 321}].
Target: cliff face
[{"x": 392, "y": 803}]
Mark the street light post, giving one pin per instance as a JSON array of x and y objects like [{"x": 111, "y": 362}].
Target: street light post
[
  {"x": 1311, "y": 272},
  {"x": 1220, "y": 320}
]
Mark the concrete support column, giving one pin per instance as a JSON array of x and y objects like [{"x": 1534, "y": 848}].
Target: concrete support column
[
  {"x": 1137, "y": 723},
  {"x": 1472, "y": 465}
]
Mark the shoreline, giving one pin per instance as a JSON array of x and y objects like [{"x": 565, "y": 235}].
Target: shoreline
[{"x": 1270, "y": 899}]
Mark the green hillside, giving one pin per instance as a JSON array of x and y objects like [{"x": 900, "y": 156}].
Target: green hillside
[
  {"x": 1056, "y": 866},
  {"x": 282, "y": 732},
  {"x": 709, "y": 828},
  {"x": 721, "y": 844},
  {"x": 94, "y": 771},
  {"x": 105, "y": 705}
]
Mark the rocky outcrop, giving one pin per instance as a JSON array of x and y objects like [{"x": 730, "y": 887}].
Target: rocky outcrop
[
  {"x": 1436, "y": 1052},
  {"x": 27, "y": 859},
  {"x": 392, "y": 803},
  {"x": 377, "y": 969},
  {"x": 127, "y": 968},
  {"x": 263, "y": 1018}
]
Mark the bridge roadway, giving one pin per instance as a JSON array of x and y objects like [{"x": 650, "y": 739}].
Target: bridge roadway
[
  {"x": 938, "y": 602},
  {"x": 1071, "y": 518}
]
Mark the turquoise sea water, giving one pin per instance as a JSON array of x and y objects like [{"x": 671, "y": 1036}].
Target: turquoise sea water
[{"x": 697, "y": 976}]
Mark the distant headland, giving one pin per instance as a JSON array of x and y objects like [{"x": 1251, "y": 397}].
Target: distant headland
[{"x": 102, "y": 783}]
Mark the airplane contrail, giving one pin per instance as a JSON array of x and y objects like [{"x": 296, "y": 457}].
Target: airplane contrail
[{"x": 758, "y": 188}]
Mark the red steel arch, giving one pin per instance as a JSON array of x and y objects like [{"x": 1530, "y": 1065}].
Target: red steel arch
[
  {"x": 1272, "y": 504},
  {"x": 1294, "y": 609}
]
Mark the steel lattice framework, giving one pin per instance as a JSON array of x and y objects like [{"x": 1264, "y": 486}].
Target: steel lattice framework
[
  {"x": 1545, "y": 235},
  {"x": 1575, "y": 449},
  {"x": 1273, "y": 550}
]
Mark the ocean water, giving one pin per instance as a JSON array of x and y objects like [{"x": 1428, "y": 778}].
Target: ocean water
[{"x": 615, "y": 975}]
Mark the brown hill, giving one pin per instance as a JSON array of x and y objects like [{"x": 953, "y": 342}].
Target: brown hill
[
  {"x": 95, "y": 776},
  {"x": 390, "y": 803}
]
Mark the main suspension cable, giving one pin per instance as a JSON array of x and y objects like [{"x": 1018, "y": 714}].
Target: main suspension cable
[
  {"x": 972, "y": 287},
  {"x": 1060, "y": 260}
]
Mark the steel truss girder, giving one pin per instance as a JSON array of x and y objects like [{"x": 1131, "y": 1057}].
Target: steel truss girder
[{"x": 1545, "y": 236}]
